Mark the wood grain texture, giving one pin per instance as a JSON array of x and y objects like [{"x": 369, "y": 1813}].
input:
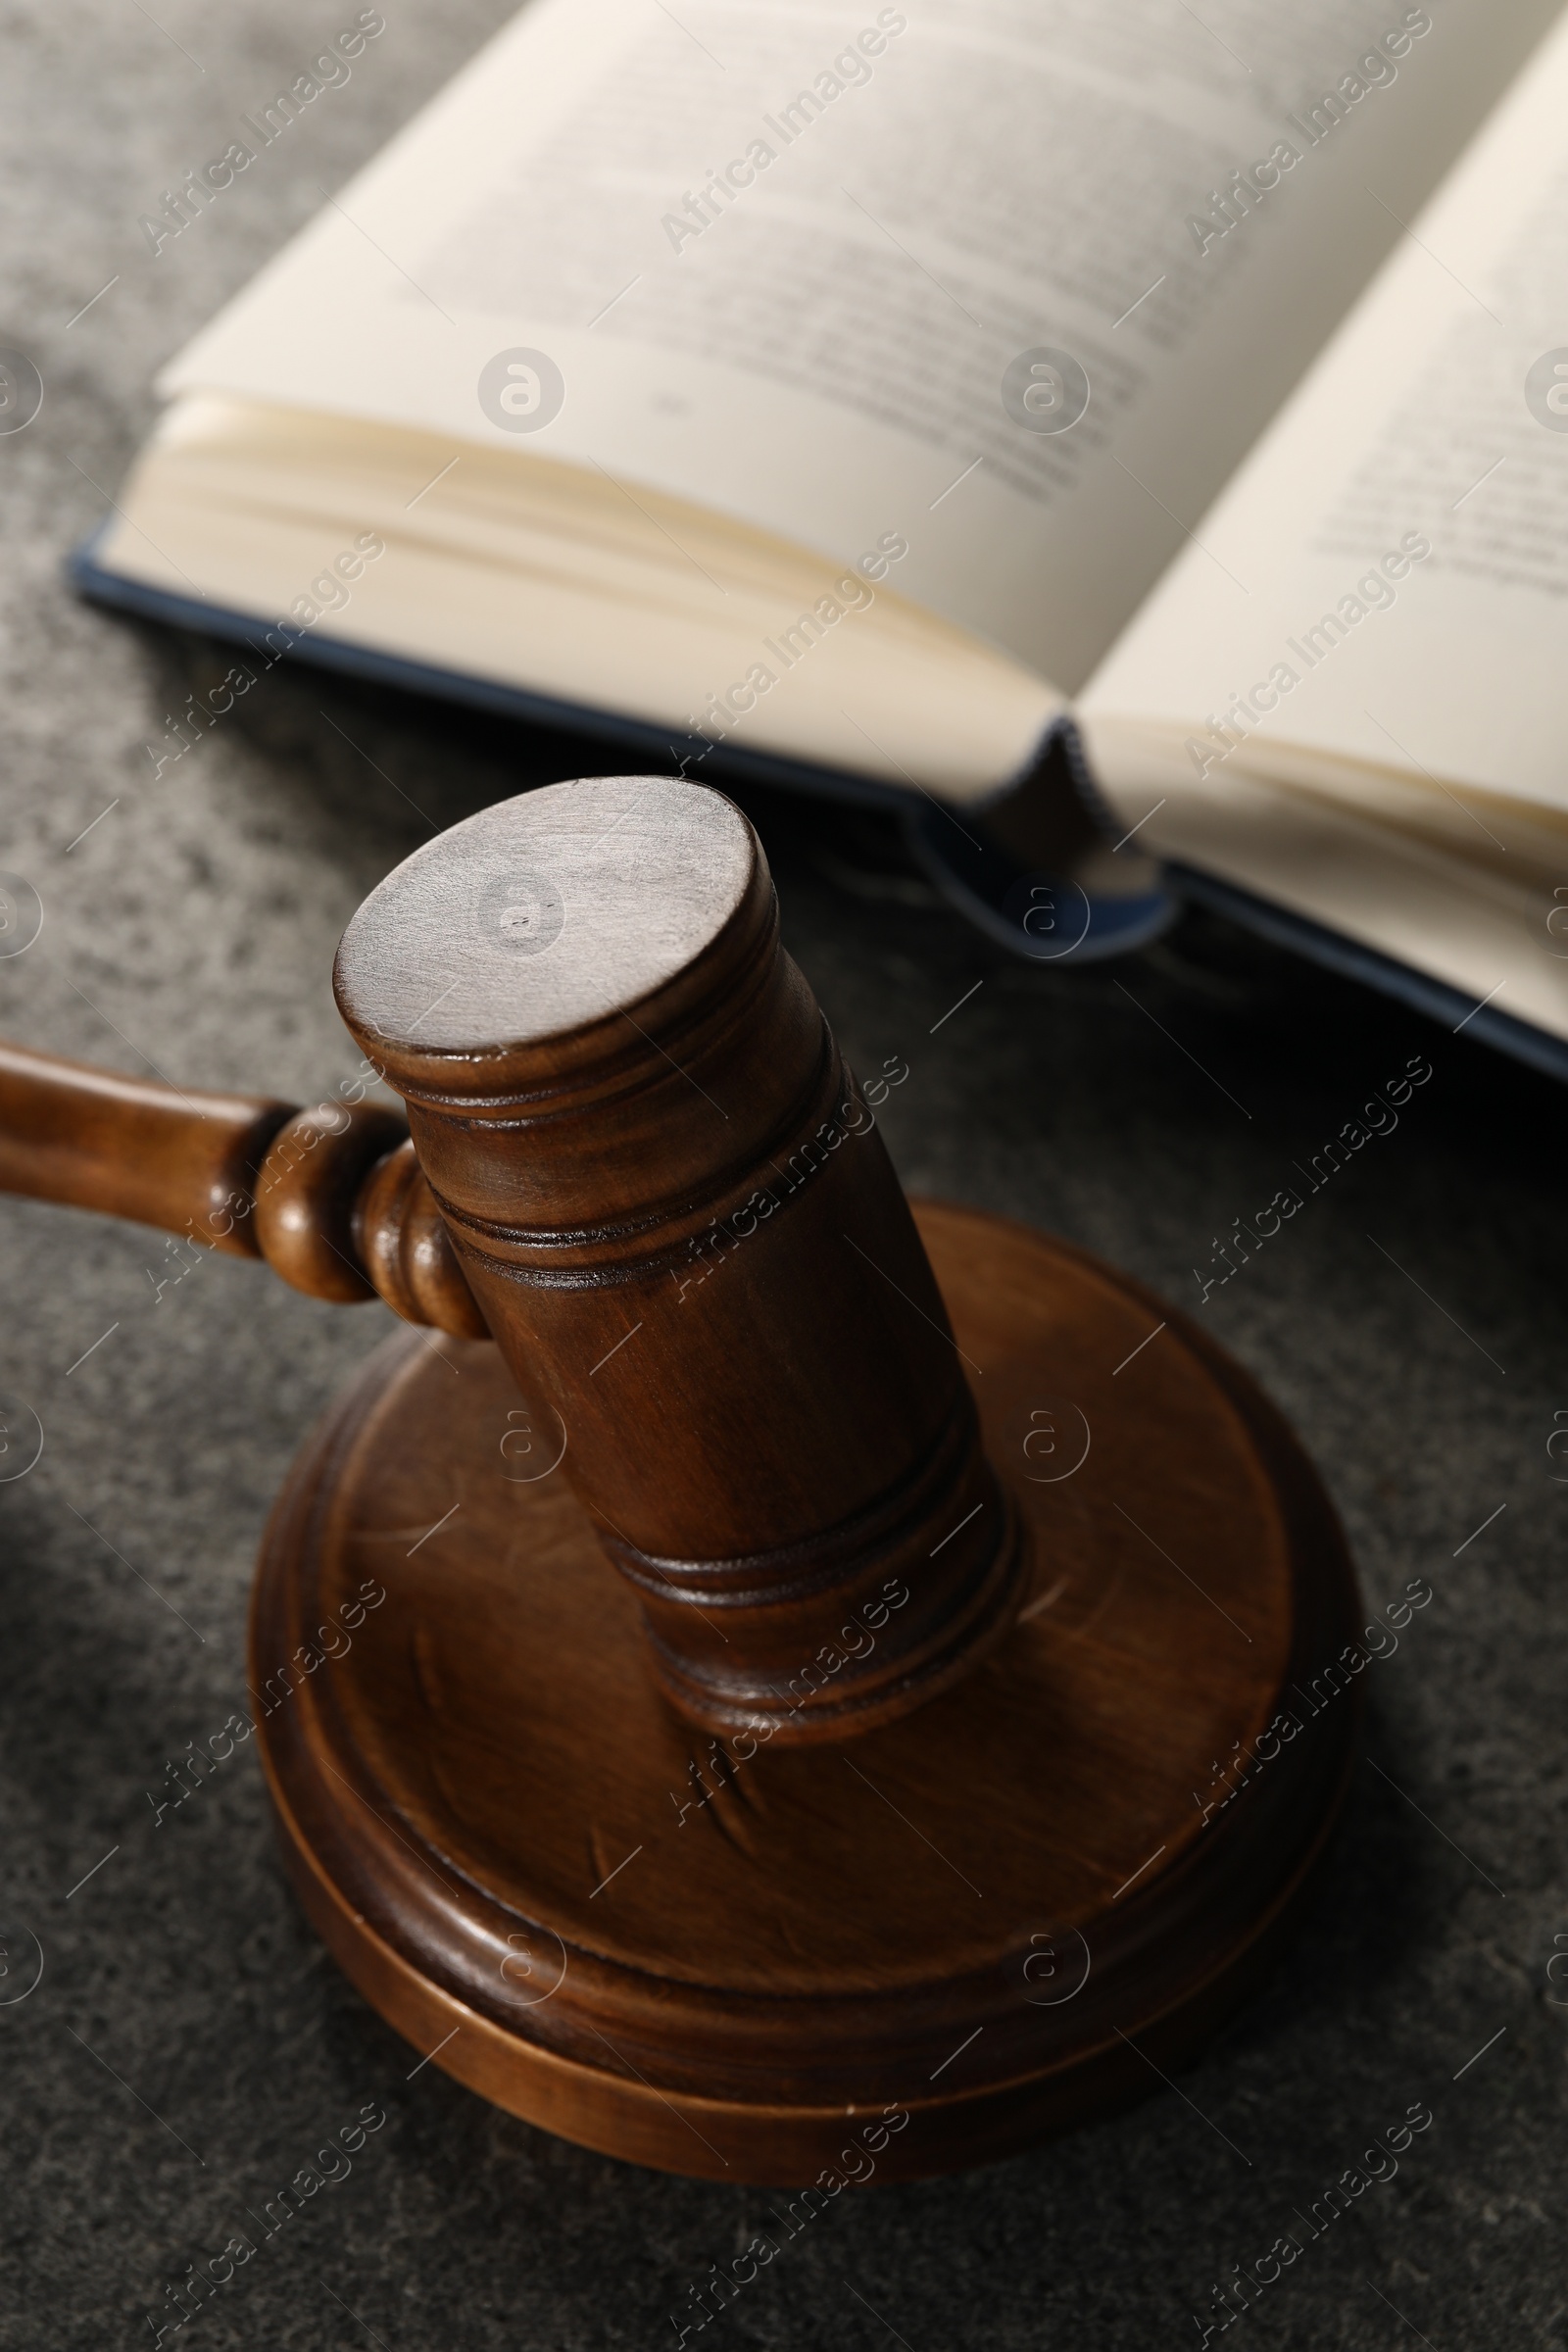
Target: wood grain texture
[
  {"x": 546, "y": 913},
  {"x": 710, "y": 1954},
  {"x": 685, "y": 1232},
  {"x": 131, "y": 1148},
  {"x": 330, "y": 1196}
]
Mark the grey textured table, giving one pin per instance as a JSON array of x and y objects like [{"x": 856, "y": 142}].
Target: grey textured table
[{"x": 189, "y": 2047}]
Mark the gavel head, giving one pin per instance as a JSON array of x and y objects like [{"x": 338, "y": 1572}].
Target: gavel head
[{"x": 674, "y": 1204}]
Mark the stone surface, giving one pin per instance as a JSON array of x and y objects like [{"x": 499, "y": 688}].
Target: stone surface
[{"x": 189, "y": 2048}]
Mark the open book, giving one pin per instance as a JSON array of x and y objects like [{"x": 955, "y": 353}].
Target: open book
[{"x": 866, "y": 388}]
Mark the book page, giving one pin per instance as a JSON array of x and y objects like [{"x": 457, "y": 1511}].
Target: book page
[
  {"x": 1017, "y": 279},
  {"x": 1387, "y": 579},
  {"x": 546, "y": 577}
]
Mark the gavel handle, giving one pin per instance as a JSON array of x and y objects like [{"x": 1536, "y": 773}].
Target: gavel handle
[{"x": 332, "y": 1198}]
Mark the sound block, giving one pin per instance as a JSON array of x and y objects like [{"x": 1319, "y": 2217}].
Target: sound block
[{"x": 1017, "y": 1908}]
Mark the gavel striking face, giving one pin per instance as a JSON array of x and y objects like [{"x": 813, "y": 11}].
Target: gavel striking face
[{"x": 807, "y": 1627}]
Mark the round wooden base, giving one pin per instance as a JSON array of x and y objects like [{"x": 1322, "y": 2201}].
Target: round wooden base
[{"x": 1010, "y": 1911}]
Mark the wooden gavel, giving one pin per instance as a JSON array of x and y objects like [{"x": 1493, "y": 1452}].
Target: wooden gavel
[
  {"x": 331, "y": 1198},
  {"x": 636, "y": 1159}
]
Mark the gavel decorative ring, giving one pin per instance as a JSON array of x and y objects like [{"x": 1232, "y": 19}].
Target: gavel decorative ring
[{"x": 814, "y": 1640}]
